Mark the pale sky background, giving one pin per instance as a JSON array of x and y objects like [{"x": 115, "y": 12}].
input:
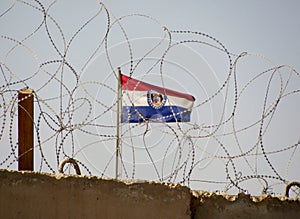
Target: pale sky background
[{"x": 269, "y": 28}]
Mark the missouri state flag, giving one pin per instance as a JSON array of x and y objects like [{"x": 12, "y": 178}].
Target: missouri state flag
[{"x": 143, "y": 102}]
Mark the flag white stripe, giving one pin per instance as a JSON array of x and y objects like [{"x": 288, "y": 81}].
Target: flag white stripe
[{"x": 139, "y": 98}]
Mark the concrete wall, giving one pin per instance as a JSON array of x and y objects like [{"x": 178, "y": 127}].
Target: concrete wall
[
  {"x": 31, "y": 195},
  {"x": 36, "y": 195},
  {"x": 210, "y": 205}
]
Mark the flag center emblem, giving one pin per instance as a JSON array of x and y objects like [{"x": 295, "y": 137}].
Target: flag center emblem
[{"x": 156, "y": 99}]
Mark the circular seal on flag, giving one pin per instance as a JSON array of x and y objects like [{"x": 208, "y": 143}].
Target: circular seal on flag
[{"x": 156, "y": 99}]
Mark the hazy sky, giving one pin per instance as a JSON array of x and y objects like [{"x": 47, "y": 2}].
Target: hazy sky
[{"x": 268, "y": 28}]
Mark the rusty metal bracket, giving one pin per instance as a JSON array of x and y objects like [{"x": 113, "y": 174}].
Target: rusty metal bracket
[
  {"x": 69, "y": 160},
  {"x": 289, "y": 185}
]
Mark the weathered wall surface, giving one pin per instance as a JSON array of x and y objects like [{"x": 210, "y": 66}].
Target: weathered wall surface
[
  {"x": 210, "y": 205},
  {"x": 36, "y": 195},
  {"x": 31, "y": 195}
]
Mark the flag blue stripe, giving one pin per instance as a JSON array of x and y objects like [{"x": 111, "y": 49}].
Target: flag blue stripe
[{"x": 137, "y": 114}]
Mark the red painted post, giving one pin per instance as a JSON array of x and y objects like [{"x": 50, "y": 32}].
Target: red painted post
[{"x": 25, "y": 129}]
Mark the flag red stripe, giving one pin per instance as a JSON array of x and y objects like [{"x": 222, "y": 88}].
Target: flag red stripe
[{"x": 136, "y": 85}]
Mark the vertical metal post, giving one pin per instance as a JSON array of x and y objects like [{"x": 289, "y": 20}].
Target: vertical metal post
[
  {"x": 119, "y": 117},
  {"x": 25, "y": 129}
]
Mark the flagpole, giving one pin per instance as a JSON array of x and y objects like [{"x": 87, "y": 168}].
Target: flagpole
[{"x": 119, "y": 116}]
